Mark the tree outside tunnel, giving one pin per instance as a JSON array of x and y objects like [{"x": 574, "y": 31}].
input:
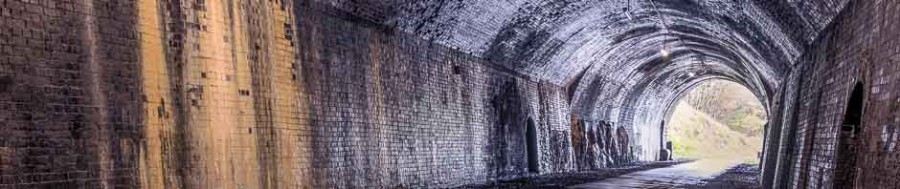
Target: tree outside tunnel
[{"x": 719, "y": 120}]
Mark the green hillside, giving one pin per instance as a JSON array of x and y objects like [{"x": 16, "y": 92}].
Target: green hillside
[{"x": 726, "y": 123}]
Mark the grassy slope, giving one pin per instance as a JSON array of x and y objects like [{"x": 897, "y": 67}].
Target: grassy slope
[{"x": 735, "y": 135}]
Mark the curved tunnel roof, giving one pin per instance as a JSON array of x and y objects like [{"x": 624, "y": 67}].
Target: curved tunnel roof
[{"x": 609, "y": 51}]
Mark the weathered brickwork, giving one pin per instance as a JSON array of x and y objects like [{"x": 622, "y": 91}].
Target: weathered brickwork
[
  {"x": 861, "y": 46},
  {"x": 425, "y": 94},
  {"x": 69, "y": 104},
  {"x": 390, "y": 109},
  {"x": 247, "y": 94}
]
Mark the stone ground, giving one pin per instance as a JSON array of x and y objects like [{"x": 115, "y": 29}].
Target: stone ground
[
  {"x": 702, "y": 174},
  {"x": 563, "y": 180}
]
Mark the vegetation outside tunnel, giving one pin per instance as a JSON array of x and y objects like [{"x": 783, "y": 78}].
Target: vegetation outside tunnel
[{"x": 718, "y": 120}]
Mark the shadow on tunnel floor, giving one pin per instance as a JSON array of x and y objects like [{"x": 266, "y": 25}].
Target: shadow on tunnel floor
[
  {"x": 563, "y": 180},
  {"x": 743, "y": 176}
]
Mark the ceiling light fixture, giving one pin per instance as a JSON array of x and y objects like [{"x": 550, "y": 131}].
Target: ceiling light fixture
[
  {"x": 626, "y": 10},
  {"x": 665, "y": 52}
]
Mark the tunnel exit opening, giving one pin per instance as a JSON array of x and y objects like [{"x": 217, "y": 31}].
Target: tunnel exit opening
[
  {"x": 718, "y": 120},
  {"x": 848, "y": 144}
]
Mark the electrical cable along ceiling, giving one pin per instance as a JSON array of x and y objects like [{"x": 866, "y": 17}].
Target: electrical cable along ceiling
[{"x": 625, "y": 45}]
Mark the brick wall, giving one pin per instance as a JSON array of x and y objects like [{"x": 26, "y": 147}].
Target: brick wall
[
  {"x": 283, "y": 94},
  {"x": 428, "y": 116},
  {"x": 257, "y": 94},
  {"x": 69, "y": 101},
  {"x": 860, "y": 46}
]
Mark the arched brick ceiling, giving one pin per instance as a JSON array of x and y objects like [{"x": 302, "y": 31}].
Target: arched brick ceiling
[{"x": 608, "y": 51}]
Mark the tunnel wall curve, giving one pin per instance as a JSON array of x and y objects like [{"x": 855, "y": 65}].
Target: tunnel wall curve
[
  {"x": 861, "y": 46},
  {"x": 341, "y": 94}
]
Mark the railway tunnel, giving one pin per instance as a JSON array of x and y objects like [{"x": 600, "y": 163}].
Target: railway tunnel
[{"x": 430, "y": 93}]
